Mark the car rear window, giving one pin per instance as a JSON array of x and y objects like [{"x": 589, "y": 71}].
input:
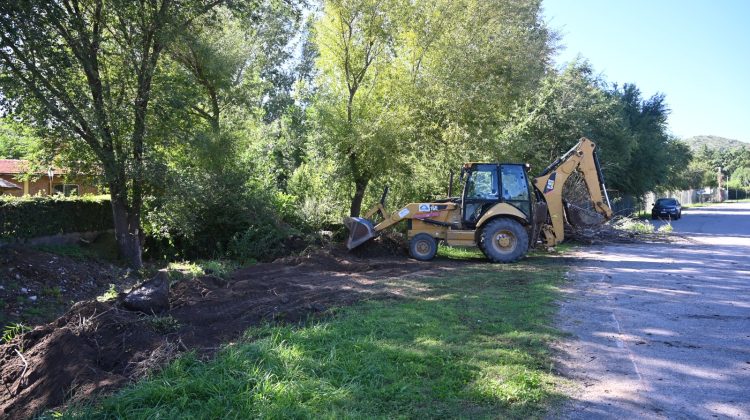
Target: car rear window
[{"x": 666, "y": 202}]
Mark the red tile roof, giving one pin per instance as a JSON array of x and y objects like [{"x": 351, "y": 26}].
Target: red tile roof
[{"x": 18, "y": 166}]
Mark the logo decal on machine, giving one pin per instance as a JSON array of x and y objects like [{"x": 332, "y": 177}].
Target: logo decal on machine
[
  {"x": 424, "y": 207},
  {"x": 550, "y": 183}
]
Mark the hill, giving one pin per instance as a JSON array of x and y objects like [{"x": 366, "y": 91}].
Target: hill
[{"x": 714, "y": 142}]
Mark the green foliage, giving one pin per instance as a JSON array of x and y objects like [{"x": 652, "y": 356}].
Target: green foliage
[
  {"x": 319, "y": 194},
  {"x": 634, "y": 226},
  {"x": 216, "y": 215},
  {"x": 163, "y": 324},
  {"x": 17, "y": 141},
  {"x": 665, "y": 228},
  {"x": 12, "y": 331},
  {"x": 637, "y": 153},
  {"x": 568, "y": 105},
  {"x": 260, "y": 242},
  {"x": 475, "y": 343},
  {"x": 740, "y": 178},
  {"x": 211, "y": 128},
  {"x": 733, "y": 160},
  {"x": 85, "y": 74},
  {"x": 415, "y": 86},
  {"x": 191, "y": 270},
  {"x": 28, "y": 217},
  {"x": 110, "y": 294}
]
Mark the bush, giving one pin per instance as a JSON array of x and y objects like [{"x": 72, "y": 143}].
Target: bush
[
  {"x": 29, "y": 217},
  {"x": 203, "y": 213},
  {"x": 260, "y": 242}
]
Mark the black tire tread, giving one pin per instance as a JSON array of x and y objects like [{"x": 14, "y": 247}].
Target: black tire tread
[
  {"x": 503, "y": 223},
  {"x": 415, "y": 239}
]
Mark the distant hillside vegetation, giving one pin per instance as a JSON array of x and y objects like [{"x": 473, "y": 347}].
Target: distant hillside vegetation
[{"x": 714, "y": 142}]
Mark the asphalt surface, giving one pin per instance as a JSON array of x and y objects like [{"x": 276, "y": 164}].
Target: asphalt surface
[{"x": 662, "y": 330}]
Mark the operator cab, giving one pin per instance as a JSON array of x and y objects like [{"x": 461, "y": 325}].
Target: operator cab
[{"x": 488, "y": 184}]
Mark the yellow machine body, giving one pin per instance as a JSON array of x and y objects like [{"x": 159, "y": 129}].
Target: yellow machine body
[{"x": 501, "y": 229}]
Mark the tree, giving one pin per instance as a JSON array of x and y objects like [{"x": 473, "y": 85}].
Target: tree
[
  {"x": 741, "y": 177},
  {"x": 409, "y": 87},
  {"x": 218, "y": 87},
  {"x": 569, "y": 104},
  {"x": 355, "y": 105},
  {"x": 83, "y": 69},
  {"x": 17, "y": 141}
]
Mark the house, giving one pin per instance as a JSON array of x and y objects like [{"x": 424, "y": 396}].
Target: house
[{"x": 55, "y": 180}]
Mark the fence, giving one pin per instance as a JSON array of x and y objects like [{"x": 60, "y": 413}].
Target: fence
[{"x": 626, "y": 204}]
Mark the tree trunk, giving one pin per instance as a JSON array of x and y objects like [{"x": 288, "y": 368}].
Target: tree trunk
[
  {"x": 360, "y": 185},
  {"x": 127, "y": 229}
]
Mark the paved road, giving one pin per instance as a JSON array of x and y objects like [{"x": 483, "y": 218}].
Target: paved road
[{"x": 663, "y": 330}]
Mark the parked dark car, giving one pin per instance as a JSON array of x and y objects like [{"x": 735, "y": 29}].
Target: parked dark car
[{"x": 666, "y": 208}]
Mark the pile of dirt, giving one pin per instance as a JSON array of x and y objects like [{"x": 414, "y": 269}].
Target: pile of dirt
[
  {"x": 38, "y": 286},
  {"x": 386, "y": 244},
  {"x": 98, "y": 346}
]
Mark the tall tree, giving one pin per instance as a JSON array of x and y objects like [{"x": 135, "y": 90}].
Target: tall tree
[
  {"x": 84, "y": 70},
  {"x": 408, "y": 85},
  {"x": 568, "y": 105},
  {"x": 354, "y": 39}
]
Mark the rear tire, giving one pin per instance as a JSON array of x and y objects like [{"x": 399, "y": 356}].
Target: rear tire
[
  {"x": 423, "y": 247},
  {"x": 504, "y": 240}
]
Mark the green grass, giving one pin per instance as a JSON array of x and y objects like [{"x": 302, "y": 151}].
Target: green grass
[
  {"x": 12, "y": 331},
  {"x": 473, "y": 345},
  {"x": 187, "y": 270},
  {"x": 459, "y": 253},
  {"x": 634, "y": 225}
]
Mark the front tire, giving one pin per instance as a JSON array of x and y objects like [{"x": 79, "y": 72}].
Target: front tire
[
  {"x": 423, "y": 247},
  {"x": 504, "y": 240}
]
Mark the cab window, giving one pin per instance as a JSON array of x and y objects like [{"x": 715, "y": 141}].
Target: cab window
[
  {"x": 482, "y": 183},
  {"x": 515, "y": 187}
]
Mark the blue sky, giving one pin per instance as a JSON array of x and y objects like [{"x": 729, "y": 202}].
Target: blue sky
[{"x": 696, "y": 52}]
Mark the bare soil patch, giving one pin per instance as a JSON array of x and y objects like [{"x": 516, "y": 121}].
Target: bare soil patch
[
  {"x": 37, "y": 287},
  {"x": 97, "y": 347}
]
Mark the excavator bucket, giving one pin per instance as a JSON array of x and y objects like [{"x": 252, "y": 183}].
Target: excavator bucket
[
  {"x": 582, "y": 217},
  {"x": 360, "y": 231}
]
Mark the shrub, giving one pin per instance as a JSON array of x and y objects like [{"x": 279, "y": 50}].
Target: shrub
[
  {"x": 260, "y": 242},
  {"x": 29, "y": 217}
]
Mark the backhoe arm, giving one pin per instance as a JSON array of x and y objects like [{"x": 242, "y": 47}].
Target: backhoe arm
[{"x": 582, "y": 157}]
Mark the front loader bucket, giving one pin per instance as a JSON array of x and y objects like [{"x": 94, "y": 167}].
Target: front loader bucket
[{"x": 360, "y": 231}]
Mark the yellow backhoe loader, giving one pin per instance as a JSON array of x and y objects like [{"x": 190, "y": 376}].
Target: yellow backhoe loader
[{"x": 500, "y": 211}]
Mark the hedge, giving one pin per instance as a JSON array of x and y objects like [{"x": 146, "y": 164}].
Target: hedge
[{"x": 30, "y": 217}]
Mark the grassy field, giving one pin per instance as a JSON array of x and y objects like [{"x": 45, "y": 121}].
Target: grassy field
[{"x": 471, "y": 344}]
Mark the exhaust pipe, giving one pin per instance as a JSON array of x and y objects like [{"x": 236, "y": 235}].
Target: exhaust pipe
[{"x": 360, "y": 231}]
